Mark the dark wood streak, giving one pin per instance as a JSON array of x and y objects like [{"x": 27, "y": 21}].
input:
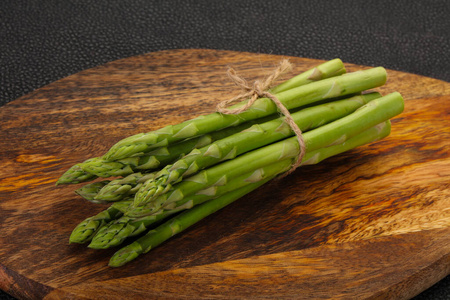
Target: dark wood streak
[{"x": 370, "y": 223}]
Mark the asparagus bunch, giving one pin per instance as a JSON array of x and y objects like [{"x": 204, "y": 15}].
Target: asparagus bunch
[
  {"x": 173, "y": 177},
  {"x": 179, "y": 223},
  {"x": 313, "y": 116},
  {"x": 236, "y": 173}
]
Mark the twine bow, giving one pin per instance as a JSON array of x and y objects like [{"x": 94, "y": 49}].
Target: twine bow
[{"x": 261, "y": 90}]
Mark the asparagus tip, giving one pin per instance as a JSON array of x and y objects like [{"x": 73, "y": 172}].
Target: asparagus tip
[
  {"x": 75, "y": 175},
  {"x": 97, "y": 244},
  {"x": 84, "y": 231},
  {"x": 79, "y": 237},
  {"x": 125, "y": 255}
]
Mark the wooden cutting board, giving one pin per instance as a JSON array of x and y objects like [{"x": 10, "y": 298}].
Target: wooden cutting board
[{"x": 371, "y": 223}]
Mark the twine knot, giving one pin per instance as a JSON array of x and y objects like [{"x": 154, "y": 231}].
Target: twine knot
[{"x": 260, "y": 89}]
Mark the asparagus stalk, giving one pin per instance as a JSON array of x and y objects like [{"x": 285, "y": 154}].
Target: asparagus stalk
[
  {"x": 75, "y": 174},
  {"x": 256, "y": 136},
  {"x": 328, "y": 69},
  {"x": 370, "y": 135},
  {"x": 370, "y": 114},
  {"x": 117, "y": 231},
  {"x": 295, "y": 97}
]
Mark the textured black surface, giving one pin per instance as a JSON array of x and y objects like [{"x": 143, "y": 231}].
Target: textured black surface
[{"x": 43, "y": 41}]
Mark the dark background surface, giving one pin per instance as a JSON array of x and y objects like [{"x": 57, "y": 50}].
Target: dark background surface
[{"x": 43, "y": 41}]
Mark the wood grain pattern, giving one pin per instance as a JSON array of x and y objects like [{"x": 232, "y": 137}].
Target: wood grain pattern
[{"x": 370, "y": 223}]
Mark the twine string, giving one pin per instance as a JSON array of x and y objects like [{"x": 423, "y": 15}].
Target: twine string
[{"x": 261, "y": 90}]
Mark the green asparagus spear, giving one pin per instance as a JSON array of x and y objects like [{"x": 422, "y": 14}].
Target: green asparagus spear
[
  {"x": 294, "y": 97},
  {"x": 155, "y": 237},
  {"x": 370, "y": 135},
  {"x": 370, "y": 114},
  {"x": 75, "y": 174},
  {"x": 256, "y": 136},
  {"x": 328, "y": 69}
]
